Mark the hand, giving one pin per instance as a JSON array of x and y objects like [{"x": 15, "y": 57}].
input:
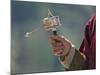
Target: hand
[{"x": 60, "y": 45}]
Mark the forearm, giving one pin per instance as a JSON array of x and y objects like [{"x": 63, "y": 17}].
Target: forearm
[
  {"x": 66, "y": 60},
  {"x": 74, "y": 61}
]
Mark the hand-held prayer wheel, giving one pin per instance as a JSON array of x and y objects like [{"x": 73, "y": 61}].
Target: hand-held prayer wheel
[{"x": 50, "y": 23}]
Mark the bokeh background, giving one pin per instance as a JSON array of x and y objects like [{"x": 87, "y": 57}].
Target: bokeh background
[{"x": 34, "y": 54}]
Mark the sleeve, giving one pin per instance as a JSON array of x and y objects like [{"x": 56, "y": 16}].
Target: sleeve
[
  {"x": 74, "y": 61},
  {"x": 66, "y": 60},
  {"x": 78, "y": 62}
]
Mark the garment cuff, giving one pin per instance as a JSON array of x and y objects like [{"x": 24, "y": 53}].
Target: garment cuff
[{"x": 68, "y": 59}]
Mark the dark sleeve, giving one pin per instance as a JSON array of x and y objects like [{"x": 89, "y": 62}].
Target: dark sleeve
[
  {"x": 74, "y": 61},
  {"x": 78, "y": 62}
]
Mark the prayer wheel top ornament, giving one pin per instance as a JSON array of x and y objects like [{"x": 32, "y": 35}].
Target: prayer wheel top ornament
[{"x": 51, "y": 23}]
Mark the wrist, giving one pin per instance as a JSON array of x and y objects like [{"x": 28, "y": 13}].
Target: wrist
[{"x": 66, "y": 60}]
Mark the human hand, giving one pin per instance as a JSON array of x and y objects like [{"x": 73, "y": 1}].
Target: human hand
[{"x": 60, "y": 45}]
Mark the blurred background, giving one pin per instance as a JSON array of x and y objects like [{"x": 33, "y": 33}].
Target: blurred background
[{"x": 34, "y": 54}]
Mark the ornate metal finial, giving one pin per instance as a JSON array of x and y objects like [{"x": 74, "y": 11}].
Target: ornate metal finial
[
  {"x": 51, "y": 22},
  {"x": 49, "y": 13}
]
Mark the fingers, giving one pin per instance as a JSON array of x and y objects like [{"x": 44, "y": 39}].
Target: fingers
[
  {"x": 56, "y": 45},
  {"x": 59, "y": 45},
  {"x": 57, "y": 52},
  {"x": 57, "y": 40},
  {"x": 57, "y": 48}
]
